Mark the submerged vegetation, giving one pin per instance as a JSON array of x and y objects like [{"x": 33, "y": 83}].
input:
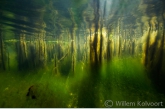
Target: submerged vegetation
[
  {"x": 81, "y": 53},
  {"x": 118, "y": 81}
]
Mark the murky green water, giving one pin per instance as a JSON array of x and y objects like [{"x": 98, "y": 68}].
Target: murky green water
[{"x": 82, "y": 53}]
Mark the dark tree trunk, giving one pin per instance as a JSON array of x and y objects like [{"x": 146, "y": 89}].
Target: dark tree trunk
[
  {"x": 147, "y": 49},
  {"x": 2, "y": 52},
  {"x": 96, "y": 22}
]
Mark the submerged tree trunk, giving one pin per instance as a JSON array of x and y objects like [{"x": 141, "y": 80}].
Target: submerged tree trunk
[
  {"x": 147, "y": 49},
  {"x": 55, "y": 64},
  {"x": 78, "y": 47},
  {"x": 22, "y": 55},
  {"x": 119, "y": 39},
  {"x": 95, "y": 55},
  {"x": 2, "y": 51},
  {"x": 88, "y": 94},
  {"x": 73, "y": 49},
  {"x": 109, "y": 50}
]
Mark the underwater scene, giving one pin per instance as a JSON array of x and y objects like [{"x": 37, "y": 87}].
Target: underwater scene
[{"x": 82, "y": 53}]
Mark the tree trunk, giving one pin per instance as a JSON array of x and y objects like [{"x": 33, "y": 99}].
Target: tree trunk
[{"x": 2, "y": 52}]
